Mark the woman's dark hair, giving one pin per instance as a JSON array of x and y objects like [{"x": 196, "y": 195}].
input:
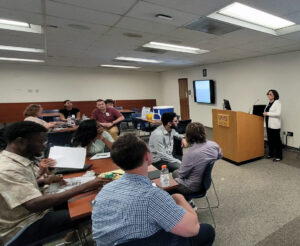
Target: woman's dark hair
[
  {"x": 195, "y": 133},
  {"x": 167, "y": 117},
  {"x": 128, "y": 151},
  {"x": 86, "y": 132},
  {"x": 275, "y": 93},
  {"x": 32, "y": 110}
]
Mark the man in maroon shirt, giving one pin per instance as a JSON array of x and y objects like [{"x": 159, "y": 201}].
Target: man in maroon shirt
[{"x": 108, "y": 118}]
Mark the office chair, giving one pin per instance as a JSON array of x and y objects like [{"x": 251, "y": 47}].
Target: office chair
[
  {"x": 3, "y": 141},
  {"x": 127, "y": 119},
  {"x": 60, "y": 138},
  {"x": 182, "y": 126},
  {"x": 207, "y": 181},
  {"x": 136, "y": 110},
  {"x": 51, "y": 118}
]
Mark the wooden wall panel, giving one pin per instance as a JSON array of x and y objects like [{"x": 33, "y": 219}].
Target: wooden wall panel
[{"x": 12, "y": 112}]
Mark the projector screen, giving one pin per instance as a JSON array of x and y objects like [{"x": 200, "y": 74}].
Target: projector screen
[{"x": 204, "y": 91}]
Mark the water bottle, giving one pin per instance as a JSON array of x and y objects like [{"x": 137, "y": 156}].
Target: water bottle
[
  {"x": 164, "y": 176},
  {"x": 69, "y": 121}
]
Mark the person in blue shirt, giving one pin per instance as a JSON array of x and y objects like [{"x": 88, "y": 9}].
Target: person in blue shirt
[{"x": 131, "y": 211}]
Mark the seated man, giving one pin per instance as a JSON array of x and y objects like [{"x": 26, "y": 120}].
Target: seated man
[
  {"x": 162, "y": 142},
  {"x": 23, "y": 206},
  {"x": 132, "y": 209},
  {"x": 195, "y": 159},
  {"x": 108, "y": 118},
  {"x": 109, "y": 103}
]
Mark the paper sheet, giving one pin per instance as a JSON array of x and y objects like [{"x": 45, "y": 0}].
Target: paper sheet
[
  {"x": 68, "y": 157},
  {"x": 100, "y": 156}
]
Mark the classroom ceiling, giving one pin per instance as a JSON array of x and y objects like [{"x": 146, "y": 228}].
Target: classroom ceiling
[{"x": 87, "y": 33}]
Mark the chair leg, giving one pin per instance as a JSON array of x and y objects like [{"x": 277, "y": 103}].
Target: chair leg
[
  {"x": 216, "y": 195},
  {"x": 212, "y": 216}
]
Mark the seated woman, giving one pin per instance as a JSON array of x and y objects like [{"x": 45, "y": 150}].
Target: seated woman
[
  {"x": 90, "y": 134},
  {"x": 68, "y": 110},
  {"x": 33, "y": 113}
]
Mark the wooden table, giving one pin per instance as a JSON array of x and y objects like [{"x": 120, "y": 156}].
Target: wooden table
[
  {"x": 80, "y": 205},
  {"x": 154, "y": 122}
]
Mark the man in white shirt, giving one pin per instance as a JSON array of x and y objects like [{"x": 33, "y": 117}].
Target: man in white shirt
[{"x": 161, "y": 143}]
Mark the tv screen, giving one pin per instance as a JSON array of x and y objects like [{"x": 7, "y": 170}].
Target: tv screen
[{"x": 204, "y": 91}]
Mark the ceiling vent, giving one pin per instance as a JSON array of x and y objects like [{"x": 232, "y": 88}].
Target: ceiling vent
[
  {"x": 150, "y": 50},
  {"x": 207, "y": 25}
]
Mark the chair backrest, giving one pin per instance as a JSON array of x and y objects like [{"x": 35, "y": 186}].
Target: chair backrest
[
  {"x": 3, "y": 141},
  {"x": 135, "y": 110},
  {"x": 47, "y": 111},
  {"x": 119, "y": 108},
  {"x": 182, "y": 126},
  {"x": 59, "y": 138},
  {"x": 207, "y": 175}
]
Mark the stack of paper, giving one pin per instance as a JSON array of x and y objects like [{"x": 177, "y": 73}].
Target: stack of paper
[{"x": 68, "y": 157}]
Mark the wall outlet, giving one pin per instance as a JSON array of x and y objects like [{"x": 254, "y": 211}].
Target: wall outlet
[{"x": 291, "y": 134}]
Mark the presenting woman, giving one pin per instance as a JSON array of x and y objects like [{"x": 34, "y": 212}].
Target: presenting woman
[
  {"x": 273, "y": 124},
  {"x": 90, "y": 134}
]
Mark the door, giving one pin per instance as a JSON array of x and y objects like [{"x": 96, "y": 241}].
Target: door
[{"x": 184, "y": 99}]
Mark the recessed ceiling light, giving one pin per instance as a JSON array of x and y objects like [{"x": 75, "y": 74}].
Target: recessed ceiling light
[
  {"x": 20, "y": 26},
  {"x": 173, "y": 47},
  {"x": 248, "y": 17},
  {"x": 19, "y": 59},
  {"x": 255, "y": 16},
  {"x": 164, "y": 17},
  {"x": 22, "y": 49},
  {"x": 13, "y": 23},
  {"x": 135, "y": 59},
  {"x": 119, "y": 66}
]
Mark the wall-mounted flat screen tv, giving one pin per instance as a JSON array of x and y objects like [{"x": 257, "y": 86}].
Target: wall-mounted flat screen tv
[{"x": 204, "y": 91}]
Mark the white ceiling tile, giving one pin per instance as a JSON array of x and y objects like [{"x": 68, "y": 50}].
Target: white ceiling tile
[
  {"x": 80, "y": 14},
  {"x": 109, "y": 6},
  {"x": 185, "y": 36},
  {"x": 144, "y": 26},
  {"x": 197, "y": 7},
  {"x": 148, "y": 11},
  {"x": 25, "y": 5}
]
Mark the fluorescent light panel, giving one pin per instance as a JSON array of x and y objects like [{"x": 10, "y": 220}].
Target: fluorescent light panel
[
  {"x": 135, "y": 59},
  {"x": 119, "y": 66},
  {"x": 173, "y": 47},
  {"x": 13, "y": 23},
  {"x": 255, "y": 16},
  {"x": 19, "y": 59},
  {"x": 22, "y": 49},
  {"x": 20, "y": 26}
]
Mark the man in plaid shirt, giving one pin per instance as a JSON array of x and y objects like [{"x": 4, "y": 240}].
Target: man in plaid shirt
[{"x": 132, "y": 211}]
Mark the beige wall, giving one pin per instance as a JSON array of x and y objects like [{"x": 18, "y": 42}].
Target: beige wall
[
  {"x": 21, "y": 83},
  {"x": 243, "y": 82}
]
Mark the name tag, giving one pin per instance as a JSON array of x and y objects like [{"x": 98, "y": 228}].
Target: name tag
[{"x": 107, "y": 114}]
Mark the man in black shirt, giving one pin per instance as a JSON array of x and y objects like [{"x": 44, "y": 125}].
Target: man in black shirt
[{"x": 68, "y": 110}]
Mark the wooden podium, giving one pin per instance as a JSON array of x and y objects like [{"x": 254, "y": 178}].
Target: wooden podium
[{"x": 240, "y": 135}]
